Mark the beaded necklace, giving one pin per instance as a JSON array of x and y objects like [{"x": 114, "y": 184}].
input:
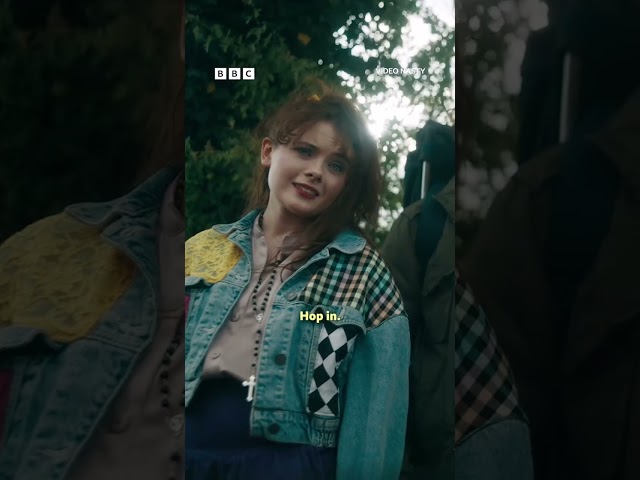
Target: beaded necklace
[
  {"x": 259, "y": 313},
  {"x": 254, "y": 296}
]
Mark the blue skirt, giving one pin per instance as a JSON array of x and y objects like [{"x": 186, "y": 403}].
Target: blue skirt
[{"x": 218, "y": 445}]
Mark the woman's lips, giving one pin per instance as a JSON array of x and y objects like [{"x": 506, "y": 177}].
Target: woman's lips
[{"x": 306, "y": 191}]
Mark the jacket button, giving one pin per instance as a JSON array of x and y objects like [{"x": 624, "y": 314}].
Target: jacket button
[
  {"x": 176, "y": 423},
  {"x": 273, "y": 428},
  {"x": 292, "y": 296},
  {"x": 281, "y": 359}
]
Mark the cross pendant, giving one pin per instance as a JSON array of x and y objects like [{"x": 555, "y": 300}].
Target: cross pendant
[
  {"x": 251, "y": 383},
  {"x": 259, "y": 317}
]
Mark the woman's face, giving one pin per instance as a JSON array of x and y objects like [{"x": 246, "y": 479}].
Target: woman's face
[{"x": 307, "y": 175}]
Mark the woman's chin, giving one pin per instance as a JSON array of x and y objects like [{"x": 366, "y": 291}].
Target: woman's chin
[{"x": 301, "y": 208}]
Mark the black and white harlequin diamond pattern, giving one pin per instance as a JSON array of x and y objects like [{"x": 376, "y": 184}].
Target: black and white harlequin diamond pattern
[{"x": 333, "y": 347}]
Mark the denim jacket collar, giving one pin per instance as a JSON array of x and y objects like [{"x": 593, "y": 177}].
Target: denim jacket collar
[
  {"x": 348, "y": 241},
  {"x": 129, "y": 222},
  {"x": 145, "y": 197}
]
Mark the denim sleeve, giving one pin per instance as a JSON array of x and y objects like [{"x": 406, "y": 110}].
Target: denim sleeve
[{"x": 372, "y": 434}]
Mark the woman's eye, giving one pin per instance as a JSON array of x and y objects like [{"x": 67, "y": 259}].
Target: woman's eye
[
  {"x": 336, "y": 167},
  {"x": 304, "y": 152}
]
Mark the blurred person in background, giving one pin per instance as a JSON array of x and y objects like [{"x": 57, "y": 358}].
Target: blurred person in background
[
  {"x": 555, "y": 262},
  {"x": 91, "y": 299},
  {"x": 465, "y": 421}
]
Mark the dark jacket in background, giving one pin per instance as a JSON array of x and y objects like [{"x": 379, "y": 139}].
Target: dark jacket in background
[
  {"x": 429, "y": 302},
  {"x": 462, "y": 394},
  {"x": 577, "y": 362}
]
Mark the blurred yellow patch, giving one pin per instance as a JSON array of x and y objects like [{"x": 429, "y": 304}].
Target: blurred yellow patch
[
  {"x": 211, "y": 87},
  {"x": 73, "y": 295},
  {"x": 210, "y": 256},
  {"x": 304, "y": 38}
]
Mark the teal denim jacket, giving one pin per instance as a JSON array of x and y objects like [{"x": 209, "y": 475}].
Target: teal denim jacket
[
  {"x": 55, "y": 392},
  {"x": 367, "y": 423}
]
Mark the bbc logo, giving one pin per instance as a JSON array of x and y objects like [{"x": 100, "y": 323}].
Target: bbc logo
[{"x": 234, "y": 74}]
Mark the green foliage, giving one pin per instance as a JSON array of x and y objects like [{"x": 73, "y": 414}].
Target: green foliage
[{"x": 218, "y": 179}]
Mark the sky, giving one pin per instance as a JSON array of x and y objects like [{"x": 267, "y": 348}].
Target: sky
[{"x": 444, "y": 9}]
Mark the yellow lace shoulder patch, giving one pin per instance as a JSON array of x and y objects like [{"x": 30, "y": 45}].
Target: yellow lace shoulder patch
[
  {"x": 60, "y": 276},
  {"x": 210, "y": 255}
]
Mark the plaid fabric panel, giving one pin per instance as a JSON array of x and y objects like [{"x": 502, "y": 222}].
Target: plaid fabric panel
[
  {"x": 361, "y": 281},
  {"x": 484, "y": 384},
  {"x": 333, "y": 347}
]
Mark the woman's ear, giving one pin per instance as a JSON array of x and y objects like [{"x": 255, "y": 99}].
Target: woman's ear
[{"x": 266, "y": 151}]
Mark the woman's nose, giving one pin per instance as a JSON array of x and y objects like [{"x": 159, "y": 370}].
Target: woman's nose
[
  {"x": 314, "y": 170},
  {"x": 313, "y": 175}
]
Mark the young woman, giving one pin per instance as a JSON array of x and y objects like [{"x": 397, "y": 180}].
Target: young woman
[{"x": 297, "y": 344}]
